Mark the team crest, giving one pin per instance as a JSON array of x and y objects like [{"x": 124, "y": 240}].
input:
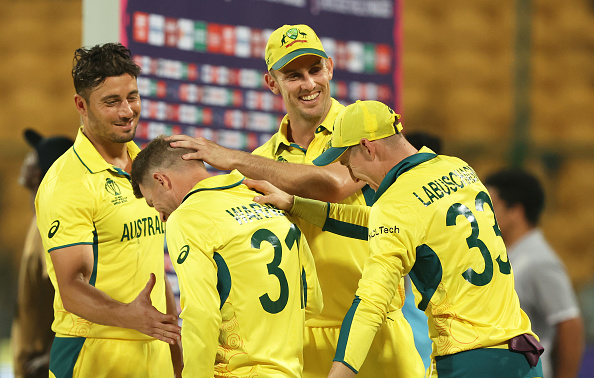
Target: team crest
[
  {"x": 112, "y": 187},
  {"x": 293, "y": 34}
]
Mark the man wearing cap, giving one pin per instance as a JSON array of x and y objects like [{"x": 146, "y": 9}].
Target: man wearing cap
[
  {"x": 432, "y": 219},
  {"x": 31, "y": 335},
  {"x": 300, "y": 71},
  {"x": 113, "y": 307}
]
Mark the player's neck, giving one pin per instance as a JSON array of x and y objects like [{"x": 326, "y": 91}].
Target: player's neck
[
  {"x": 303, "y": 130},
  {"x": 190, "y": 177},
  {"x": 301, "y": 135},
  {"x": 113, "y": 153}
]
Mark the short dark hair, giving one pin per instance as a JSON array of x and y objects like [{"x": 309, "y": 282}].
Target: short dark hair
[
  {"x": 91, "y": 66},
  {"x": 157, "y": 154},
  {"x": 516, "y": 186}
]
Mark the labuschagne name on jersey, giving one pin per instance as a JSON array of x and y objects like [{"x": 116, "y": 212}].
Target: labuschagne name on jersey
[
  {"x": 446, "y": 185},
  {"x": 383, "y": 230},
  {"x": 253, "y": 212}
]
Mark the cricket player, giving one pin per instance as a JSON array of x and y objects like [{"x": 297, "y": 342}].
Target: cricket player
[
  {"x": 246, "y": 273},
  {"x": 433, "y": 219},
  {"x": 104, "y": 247},
  {"x": 300, "y": 71}
]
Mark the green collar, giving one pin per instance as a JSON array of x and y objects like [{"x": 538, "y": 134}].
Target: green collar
[
  {"x": 402, "y": 167},
  {"x": 219, "y": 182},
  {"x": 92, "y": 160}
]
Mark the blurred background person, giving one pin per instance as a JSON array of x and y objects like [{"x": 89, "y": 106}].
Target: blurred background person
[
  {"x": 544, "y": 289},
  {"x": 31, "y": 334},
  {"x": 423, "y": 138}
]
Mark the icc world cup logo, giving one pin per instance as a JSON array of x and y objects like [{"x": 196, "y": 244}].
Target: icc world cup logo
[{"x": 112, "y": 187}]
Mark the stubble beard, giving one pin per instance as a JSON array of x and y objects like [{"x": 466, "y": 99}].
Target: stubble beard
[{"x": 118, "y": 138}]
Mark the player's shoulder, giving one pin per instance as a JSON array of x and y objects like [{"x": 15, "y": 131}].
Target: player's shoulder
[
  {"x": 268, "y": 148},
  {"x": 66, "y": 172}
]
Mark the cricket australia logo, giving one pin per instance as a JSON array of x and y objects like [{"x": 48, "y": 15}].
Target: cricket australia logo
[
  {"x": 113, "y": 188},
  {"x": 293, "y": 34}
]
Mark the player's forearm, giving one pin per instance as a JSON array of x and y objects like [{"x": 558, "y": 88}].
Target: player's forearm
[
  {"x": 569, "y": 348},
  {"x": 350, "y": 220},
  {"x": 310, "y": 210},
  {"x": 340, "y": 370},
  {"x": 307, "y": 181},
  {"x": 90, "y": 303}
]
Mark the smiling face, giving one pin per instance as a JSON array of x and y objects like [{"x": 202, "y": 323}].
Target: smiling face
[
  {"x": 111, "y": 113},
  {"x": 304, "y": 85}
]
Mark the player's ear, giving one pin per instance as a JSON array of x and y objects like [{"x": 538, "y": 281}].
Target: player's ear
[
  {"x": 162, "y": 180},
  {"x": 367, "y": 148},
  {"x": 330, "y": 66},
  {"x": 81, "y": 105},
  {"x": 271, "y": 82}
]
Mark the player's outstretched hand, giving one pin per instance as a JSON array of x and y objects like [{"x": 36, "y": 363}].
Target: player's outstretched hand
[
  {"x": 144, "y": 317},
  {"x": 271, "y": 194},
  {"x": 206, "y": 150}
]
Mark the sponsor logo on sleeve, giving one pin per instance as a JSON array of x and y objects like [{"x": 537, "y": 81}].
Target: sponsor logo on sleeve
[
  {"x": 183, "y": 254},
  {"x": 381, "y": 230},
  {"x": 53, "y": 229}
]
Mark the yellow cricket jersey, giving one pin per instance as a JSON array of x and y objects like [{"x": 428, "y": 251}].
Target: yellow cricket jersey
[
  {"x": 83, "y": 200},
  {"x": 339, "y": 260},
  {"x": 433, "y": 219},
  {"x": 246, "y": 275}
]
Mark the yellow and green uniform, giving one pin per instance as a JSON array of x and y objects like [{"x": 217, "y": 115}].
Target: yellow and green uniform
[
  {"x": 339, "y": 262},
  {"x": 432, "y": 219},
  {"x": 246, "y": 278},
  {"x": 83, "y": 200}
]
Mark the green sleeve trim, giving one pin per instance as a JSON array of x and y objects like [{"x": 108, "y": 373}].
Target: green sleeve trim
[
  {"x": 349, "y": 230},
  {"x": 69, "y": 245},
  {"x": 426, "y": 274},
  {"x": 223, "y": 278},
  {"x": 345, "y": 330},
  {"x": 312, "y": 211},
  {"x": 93, "y": 278}
]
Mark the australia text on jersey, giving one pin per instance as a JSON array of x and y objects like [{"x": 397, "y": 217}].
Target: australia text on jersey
[
  {"x": 142, "y": 227},
  {"x": 445, "y": 185}
]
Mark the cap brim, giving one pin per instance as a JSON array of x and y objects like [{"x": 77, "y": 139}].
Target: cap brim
[
  {"x": 297, "y": 53},
  {"x": 329, "y": 156}
]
